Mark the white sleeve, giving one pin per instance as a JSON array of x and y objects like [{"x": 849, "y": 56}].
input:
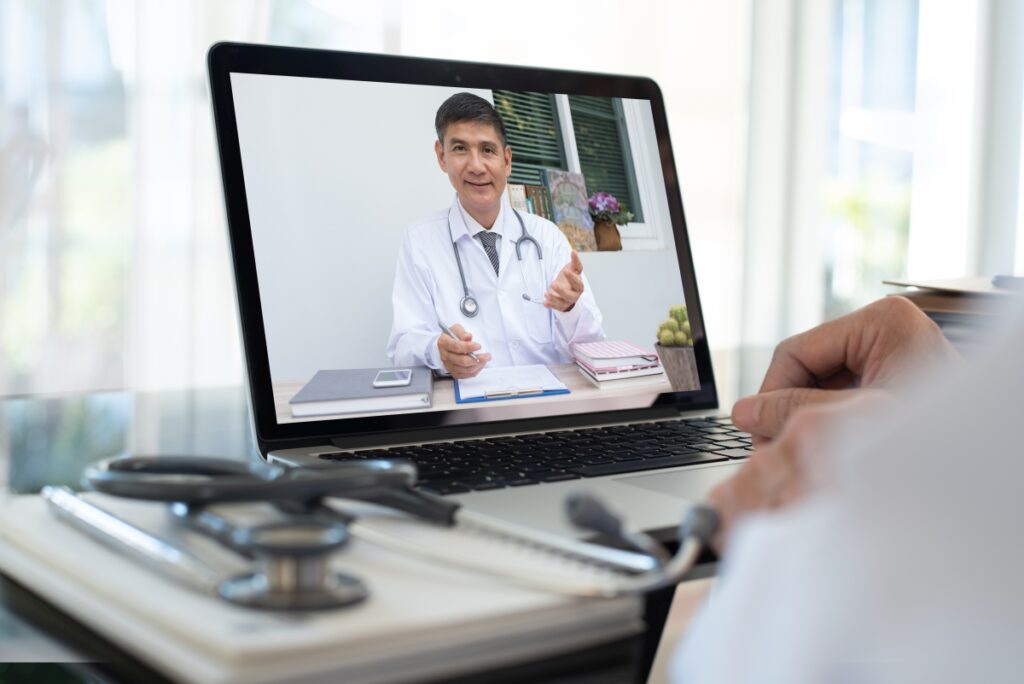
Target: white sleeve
[{"x": 414, "y": 331}]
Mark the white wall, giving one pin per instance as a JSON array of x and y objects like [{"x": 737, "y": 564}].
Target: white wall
[{"x": 328, "y": 213}]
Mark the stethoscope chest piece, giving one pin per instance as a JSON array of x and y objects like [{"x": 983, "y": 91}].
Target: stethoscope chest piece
[
  {"x": 293, "y": 571},
  {"x": 468, "y": 306}
]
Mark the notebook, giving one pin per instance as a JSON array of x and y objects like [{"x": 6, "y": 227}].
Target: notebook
[
  {"x": 423, "y": 620},
  {"x": 614, "y": 356},
  {"x": 371, "y": 261},
  {"x": 352, "y": 391}
]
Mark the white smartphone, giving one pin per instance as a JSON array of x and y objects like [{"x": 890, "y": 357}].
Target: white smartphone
[{"x": 398, "y": 377}]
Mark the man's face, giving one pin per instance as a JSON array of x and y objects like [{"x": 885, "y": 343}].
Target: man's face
[{"x": 477, "y": 165}]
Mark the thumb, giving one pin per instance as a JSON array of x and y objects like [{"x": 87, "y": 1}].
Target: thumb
[
  {"x": 576, "y": 264},
  {"x": 764, "y": 415},
  {"x": 460, "y": 332}
]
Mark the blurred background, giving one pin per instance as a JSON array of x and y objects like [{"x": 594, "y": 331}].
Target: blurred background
[{"x": 822, "y": 146}]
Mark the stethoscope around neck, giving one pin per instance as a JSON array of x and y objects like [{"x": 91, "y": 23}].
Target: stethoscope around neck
[{"x": 468, "y": 304}]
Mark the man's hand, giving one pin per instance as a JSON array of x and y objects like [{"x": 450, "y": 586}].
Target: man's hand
[
  {"x": 790, "y": 466},
  {"x": 567, "y": 286},
  {"x": 455, "y": 356},
  {"x": 873, "y": 347}
]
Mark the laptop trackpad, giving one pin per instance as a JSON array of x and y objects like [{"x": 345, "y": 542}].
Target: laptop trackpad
[{"x": 693, "y": 485}]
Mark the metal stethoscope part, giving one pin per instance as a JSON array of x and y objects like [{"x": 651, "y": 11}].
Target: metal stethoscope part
[
  {"x": 290, "y": 568},
  {"x": 293, "y": 571},
  {"x": 290, "y": 557},
  {"x": 468, "y": 304}
]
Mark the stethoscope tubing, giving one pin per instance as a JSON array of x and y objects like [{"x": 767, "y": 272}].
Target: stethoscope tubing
[
  {"x": 203, "y": 480},
  {"x": 468, "y": 304}
]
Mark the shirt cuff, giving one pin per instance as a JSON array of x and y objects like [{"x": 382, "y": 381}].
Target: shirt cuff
[
  {"x": 567, "y": 320},
  {"x": 431, "y": 355}
]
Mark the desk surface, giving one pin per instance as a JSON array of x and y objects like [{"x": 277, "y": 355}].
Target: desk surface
[
  {"x": 580, "y": 389},
  {"x": 46, "y": 440}
]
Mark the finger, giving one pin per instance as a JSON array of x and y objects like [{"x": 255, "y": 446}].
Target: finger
[
  {"x": 560, "y": 290},
  {"x": 447, "y": 344},
  {"x": 461, "y": 361},
  {"x": 474, "y": 367},
  {"x": 870, "y": 344},
  {"x": 765, "y": 414},
  {"x": 461, "y": 332},
  {"x": 576, "y": 263},
  {"x": 572, "y": 280},
  {"x": 553, "y": 301}
]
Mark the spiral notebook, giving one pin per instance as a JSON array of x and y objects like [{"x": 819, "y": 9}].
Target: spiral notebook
[{"x": 424, "y": 619}]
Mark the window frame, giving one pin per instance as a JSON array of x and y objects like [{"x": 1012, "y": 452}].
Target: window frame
[{"x": 646, "y": 170}]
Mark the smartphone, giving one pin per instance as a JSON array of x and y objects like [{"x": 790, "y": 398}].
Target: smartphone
[{"x": 398, "y": 377}]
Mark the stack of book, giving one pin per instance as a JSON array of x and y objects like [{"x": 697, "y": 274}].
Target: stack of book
[
  {"x": 964, "y": 308},
  {"x": 530, "y": 199},
  {"x": 615, "y": 364}
]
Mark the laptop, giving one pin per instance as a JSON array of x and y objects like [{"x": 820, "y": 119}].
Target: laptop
[{"x": 338, "y": 192}]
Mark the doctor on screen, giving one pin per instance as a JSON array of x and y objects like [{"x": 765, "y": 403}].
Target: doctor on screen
[{"x": 507, "y": 283}]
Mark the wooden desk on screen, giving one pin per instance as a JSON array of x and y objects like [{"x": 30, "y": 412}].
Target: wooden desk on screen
[{"x": 444, "y": 395}]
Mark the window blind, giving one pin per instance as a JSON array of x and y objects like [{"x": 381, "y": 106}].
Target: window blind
[
  {"x": 603, "y": 148},
  {"x": 531, "y": 122}
]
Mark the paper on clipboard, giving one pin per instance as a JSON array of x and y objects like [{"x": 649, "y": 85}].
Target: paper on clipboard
[{"x": 509, "y": 382}]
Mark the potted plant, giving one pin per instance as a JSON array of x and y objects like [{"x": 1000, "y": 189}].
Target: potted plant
[
  {"x": 675, "y": 349},
  {"x": 608, "y": 214}
]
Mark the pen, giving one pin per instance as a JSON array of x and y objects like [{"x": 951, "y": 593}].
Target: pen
[{"x": 448, "y": 331}]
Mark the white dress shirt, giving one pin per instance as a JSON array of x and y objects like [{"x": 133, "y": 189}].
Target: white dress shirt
[{"x": 514, "y": 331}]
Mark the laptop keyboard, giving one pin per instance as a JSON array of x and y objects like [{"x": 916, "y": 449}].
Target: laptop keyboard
[{"x": 522, "y": 460}]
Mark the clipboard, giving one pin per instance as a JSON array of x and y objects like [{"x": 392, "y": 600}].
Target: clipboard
[{"x": 510, "y": 382}]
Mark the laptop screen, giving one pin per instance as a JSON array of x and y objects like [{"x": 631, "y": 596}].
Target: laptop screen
[{"x": 474, "y": 253}]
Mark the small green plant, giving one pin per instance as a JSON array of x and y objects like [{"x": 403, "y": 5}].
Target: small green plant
[{"x": 675, "y": 331}]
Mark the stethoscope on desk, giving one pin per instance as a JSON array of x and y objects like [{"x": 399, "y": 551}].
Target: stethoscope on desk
[
  {"x": 291, "y": 570},
  {"x": 468, "y": 304}
]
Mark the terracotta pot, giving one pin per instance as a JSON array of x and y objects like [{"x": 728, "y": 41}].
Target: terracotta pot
[{"x": 607, "y": 235}]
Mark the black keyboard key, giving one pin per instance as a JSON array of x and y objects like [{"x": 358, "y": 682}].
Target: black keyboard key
[
  {"x": 626, "y": 457},
  {"x": 555, "y": 477},
  {"x": 521, "y": 482},
  {"x": 648, "y": 464},
  {"x": 734, "y": 444},
  {"x": 443, "y": 488},
  {"x": 338, "y": 456},
  {"x": 720, "y": 438},
  {"x": 487, "y": 486}
]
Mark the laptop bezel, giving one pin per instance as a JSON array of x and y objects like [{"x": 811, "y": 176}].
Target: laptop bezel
[{"x": 223, "y": 59}]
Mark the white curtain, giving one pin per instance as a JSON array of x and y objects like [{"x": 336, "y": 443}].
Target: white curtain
[{"x": 113, "y": 247}]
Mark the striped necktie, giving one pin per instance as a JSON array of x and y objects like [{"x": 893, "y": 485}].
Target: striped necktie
[{"x": 488, "y": 239}]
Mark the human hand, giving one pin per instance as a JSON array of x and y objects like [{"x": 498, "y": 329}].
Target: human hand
[
  {"x": 873, "y": 347},
  {"x": 567, "y": 286},
  {"x": 790, "y": 466},
  {"x": 454, "y": 354}
]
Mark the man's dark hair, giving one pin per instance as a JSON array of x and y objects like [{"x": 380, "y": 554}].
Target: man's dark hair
[{"x": 468, "y": 107}]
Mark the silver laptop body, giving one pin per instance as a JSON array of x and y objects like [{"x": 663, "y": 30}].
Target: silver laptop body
[{"x": 314, "y": 146}]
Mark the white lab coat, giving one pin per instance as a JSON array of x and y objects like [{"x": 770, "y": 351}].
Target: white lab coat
[
  {"x": 907, "y": 567},
  {"x": 514, "y": 331}
]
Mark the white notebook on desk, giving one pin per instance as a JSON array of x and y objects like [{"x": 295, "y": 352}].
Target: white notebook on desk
[
  {"x": 509, "y": 382},
  {"x": 422, "y": 621}
]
